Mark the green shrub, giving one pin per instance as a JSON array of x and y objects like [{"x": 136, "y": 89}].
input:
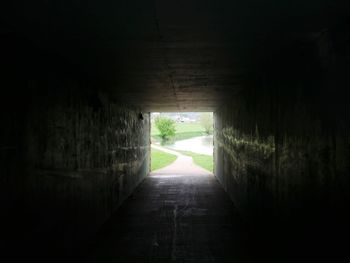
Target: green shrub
[
  {"x": 206, "y": 120},
  {"x": 166, "y": 127}
]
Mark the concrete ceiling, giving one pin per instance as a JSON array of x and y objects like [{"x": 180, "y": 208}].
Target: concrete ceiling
[{"x": 170, "y": 55}]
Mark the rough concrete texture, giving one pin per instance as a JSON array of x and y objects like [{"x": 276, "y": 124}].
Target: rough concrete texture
[
  {"x": 276, "y": 73},
  {"x": 173, "y": 218},
  {"x": 69, "y": 158},
  {"x": 282, "y": 151},
  {"x": 142, "y": 51}
]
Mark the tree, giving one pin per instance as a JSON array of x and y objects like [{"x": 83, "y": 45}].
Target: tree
[
  {"x": 166, "y": 127},
  {"x": 206, "y": 120}
]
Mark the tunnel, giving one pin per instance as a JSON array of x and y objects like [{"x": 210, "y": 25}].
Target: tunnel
[{"x": 80, "y": 78}]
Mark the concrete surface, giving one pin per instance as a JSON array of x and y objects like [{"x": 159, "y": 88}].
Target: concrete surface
[
  {"x": 173, "y": 218},
  {"x": 80, "y": 159},
  {"x": 142, "y": 53},
  {"x": 78, "y": 81}
]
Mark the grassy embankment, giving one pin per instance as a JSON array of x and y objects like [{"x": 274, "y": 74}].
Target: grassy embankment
[
  {"x": 202, "y": 160},
  {"x": 183, "y": 131},
  {"x": 161, "y": 159}
]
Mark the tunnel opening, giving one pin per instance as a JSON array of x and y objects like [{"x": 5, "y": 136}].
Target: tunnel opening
[
  {"x": 181, "y": 141},
  {"x": 79, "y": 82}
]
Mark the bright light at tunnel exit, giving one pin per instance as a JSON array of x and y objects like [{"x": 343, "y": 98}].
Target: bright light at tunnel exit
[{"x": 180, "y": 140}]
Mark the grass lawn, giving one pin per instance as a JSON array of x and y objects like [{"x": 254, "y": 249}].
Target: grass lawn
[
  {"x": 183, "y": 131},
  {"x": 202, "y": 160},
  {"x": 161, "y": 159}
]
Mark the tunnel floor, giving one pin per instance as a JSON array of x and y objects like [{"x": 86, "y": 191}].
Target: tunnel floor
[{"x": 173, "y": 218}]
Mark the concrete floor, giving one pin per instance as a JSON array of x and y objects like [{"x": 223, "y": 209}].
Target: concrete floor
[{"x": 173, "y": 218}]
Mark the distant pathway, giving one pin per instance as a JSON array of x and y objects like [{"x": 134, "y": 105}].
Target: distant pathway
[
  {"x": 160, "y": 148},
  {"x": 183, "y": 165}
]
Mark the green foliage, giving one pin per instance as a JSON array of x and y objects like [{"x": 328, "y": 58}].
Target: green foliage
[
  {"x": 166, "y": 128},
  {"x": 181, "y": 127},
  {"x": 206, "y": 120},
  {"x": 182, "y": 136},
  {"x": 161, "y": 159}
]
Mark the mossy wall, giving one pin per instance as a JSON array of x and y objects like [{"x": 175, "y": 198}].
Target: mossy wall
[
  {"x": 282, "y": 145},
  {"x": 69, "y": 154}
]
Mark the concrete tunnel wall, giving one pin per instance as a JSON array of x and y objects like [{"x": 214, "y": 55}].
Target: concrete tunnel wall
[
  {"x": 283, "y": 148},
  {"x": 282, "y": 141},
  {"x": 69, "y": 155}
]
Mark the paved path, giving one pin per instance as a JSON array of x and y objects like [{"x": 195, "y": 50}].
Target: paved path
[
  {"x": 178, "y": 214},
  {"x": 179, "y": 218},
  {"x": 183, "y": 165},
  {"x": 160, "y": 148}
]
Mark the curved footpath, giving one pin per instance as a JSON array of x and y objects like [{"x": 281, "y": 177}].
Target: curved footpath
[{"x": 183, "y": 165}]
